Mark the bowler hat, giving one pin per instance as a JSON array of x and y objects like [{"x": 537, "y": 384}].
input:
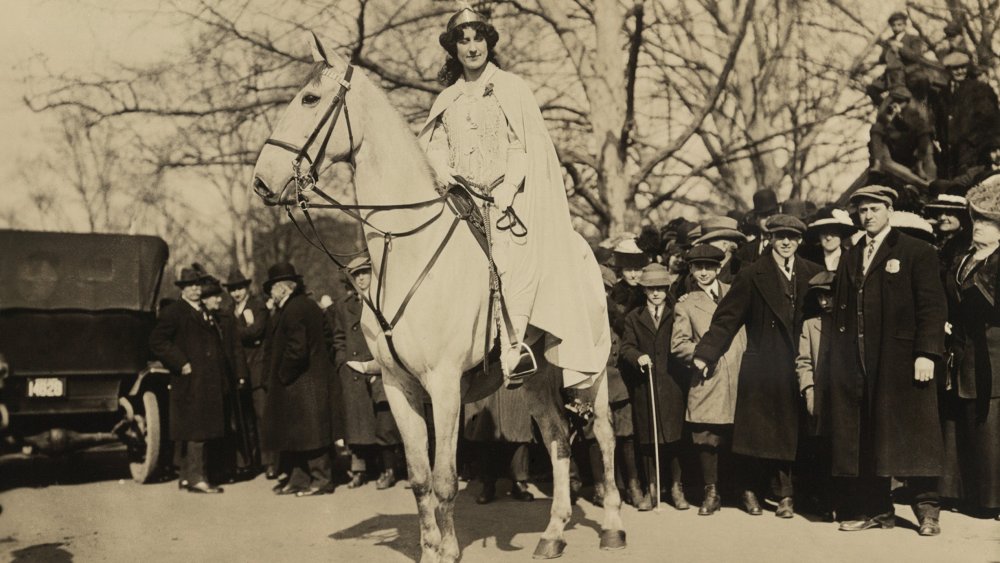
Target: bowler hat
[
  {"x": 191, "y": 276},
  {"x": 704, "y": 253},
  {"x": 794, "y": 207},
  {"x": 765, "y": 203},
  {"x": 211, "y": 288},
  {"x": 359, "y": 264},
  {"x": 881, "y": 194},
  {"x": 655, "y": 275},
  {"x": 280, "y": 272},
  {"x": 782, "y": 223},
  {"x": 236, "y": 280},
  {"x": 715, "y": 227},
  {"x": 984, "y": 199}
]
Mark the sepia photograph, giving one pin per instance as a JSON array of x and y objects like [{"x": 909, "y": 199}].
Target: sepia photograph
[{"x": 433, "y": 281}]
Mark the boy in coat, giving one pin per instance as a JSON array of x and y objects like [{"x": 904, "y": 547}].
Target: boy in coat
[
  {"x": 645, "y": 353},
  {"x": 766, "y": 298},
  {"x": 370, "y": 429},
  {"x": 711, "y": 401}
]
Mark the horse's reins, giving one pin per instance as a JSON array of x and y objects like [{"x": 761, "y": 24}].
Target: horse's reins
[{"x": 307, "y": 183}]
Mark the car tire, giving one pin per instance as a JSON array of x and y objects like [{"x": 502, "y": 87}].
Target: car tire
[{"x": 145, "y": 463}]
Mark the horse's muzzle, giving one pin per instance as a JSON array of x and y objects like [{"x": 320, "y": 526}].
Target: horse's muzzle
[{"x": 262, "y": 190}]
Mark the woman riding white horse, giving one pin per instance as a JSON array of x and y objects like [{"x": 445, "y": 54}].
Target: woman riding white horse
[{"x": 486, "y": 127}]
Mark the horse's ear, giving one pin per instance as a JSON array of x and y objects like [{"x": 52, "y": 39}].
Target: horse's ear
[{"x": 317, "y": 49}]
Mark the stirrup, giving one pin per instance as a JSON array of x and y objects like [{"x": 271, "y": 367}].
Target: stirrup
[{"x": 525, "y": 366}]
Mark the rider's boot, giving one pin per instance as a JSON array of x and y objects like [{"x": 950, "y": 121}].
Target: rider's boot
[{"x": 517, "y": 360}]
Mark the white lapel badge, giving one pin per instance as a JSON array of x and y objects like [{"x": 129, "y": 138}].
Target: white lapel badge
[{"x": 892, "y": 266}]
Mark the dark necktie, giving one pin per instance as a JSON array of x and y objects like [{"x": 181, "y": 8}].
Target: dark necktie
[
  {"x": 656, "y": 317},
  {"x": 715, "y": 296},
  {"x": 788, "y": 265}
]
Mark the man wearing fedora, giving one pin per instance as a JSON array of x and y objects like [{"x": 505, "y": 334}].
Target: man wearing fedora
[
  {"x": 303, "y": 416},
  {"x": 251, "y": 314},
  {"x": 189, "y": 344},
  {"x": 766, "y": 299},
  {"x": 889, "y": 318},
  {"x": 723, "y": 233},
  {"x": 370, "y": 429}
]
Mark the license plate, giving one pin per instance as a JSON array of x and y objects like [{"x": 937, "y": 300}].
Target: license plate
[{"x": 46, "y": 387}]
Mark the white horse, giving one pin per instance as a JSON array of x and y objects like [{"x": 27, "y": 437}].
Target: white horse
[{"x": 341, "y": 116}]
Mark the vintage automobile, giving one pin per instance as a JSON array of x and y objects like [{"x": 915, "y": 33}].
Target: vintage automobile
[{"x": 76, "y": 311}]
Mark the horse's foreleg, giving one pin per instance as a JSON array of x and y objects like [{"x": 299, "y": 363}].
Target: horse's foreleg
[
  {"x": 547, "y": 410},
  {"x": 612, "y": 529},
  {"x": 446, "y": 396},
  {"x": 408, "y": 410}
]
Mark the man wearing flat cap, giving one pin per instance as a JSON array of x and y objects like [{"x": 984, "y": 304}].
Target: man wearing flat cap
[
  {"x": 303, "y": 416},
  {"x": 189, "y": 344},
  {"x": 250, "y": 315},
  {"x": 888, "y": 331},
  {"x": 766, "y": 299},
  {"x": 370, "y": 429},
  {"x": 968, "y": 116}
]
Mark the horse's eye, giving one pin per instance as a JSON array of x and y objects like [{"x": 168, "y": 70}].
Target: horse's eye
[{"x": 310, "y": 99}]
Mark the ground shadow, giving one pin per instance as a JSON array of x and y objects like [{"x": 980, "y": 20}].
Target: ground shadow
[
  {"x": 504, "y": 519},
  {"x": 71, "y": 469},
  {"x": 42, "y": 553}
]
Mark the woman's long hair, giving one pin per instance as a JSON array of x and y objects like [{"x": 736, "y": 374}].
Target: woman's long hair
[{"x": 452, "y": 68}]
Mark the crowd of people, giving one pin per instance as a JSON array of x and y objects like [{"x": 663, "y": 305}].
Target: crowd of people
[
  {"x": 937, "y": 126},
  {"x": 820, "y": 355},
  {"x": 829, "y": 359}
]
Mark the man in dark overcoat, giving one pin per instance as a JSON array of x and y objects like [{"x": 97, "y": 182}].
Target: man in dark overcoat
[
  {"x": 302, "y": 416},
  {"x": 189, "y": 344},
  {"x": 889, "y": 318},
  {"x": 250, "y": 315},
  {"x": 766, "y": 298},
  {"x": 370, "y": 429},
  {"x": 646, "y": 346}
]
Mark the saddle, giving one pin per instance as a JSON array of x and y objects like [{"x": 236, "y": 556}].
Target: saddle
[{"x": 459, "y": 199}]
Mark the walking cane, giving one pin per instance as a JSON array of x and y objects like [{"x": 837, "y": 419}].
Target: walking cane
[{"x": 656, "y": 440}]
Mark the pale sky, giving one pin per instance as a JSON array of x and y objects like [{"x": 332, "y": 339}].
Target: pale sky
[{"x": 66, "y": 35}]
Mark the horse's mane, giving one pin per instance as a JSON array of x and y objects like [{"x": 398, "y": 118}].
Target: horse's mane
[{"x": 380, "y": 116}]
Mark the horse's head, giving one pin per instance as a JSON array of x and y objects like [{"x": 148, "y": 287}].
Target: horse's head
[{"x": 314, "y": 132}]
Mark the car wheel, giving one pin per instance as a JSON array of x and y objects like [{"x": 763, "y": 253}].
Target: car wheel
[{"x": 144, "y": 456}]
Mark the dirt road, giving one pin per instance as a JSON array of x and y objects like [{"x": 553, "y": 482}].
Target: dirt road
[{"x": 99, "y": 515}]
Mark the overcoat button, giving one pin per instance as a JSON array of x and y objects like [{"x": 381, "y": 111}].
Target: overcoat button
[{"x": 842, "y": 329}]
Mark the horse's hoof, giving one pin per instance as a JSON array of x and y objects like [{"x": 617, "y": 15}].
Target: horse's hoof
[
  {"x": 549, "y": 549},
  {"x": 612, "y": 539}
]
